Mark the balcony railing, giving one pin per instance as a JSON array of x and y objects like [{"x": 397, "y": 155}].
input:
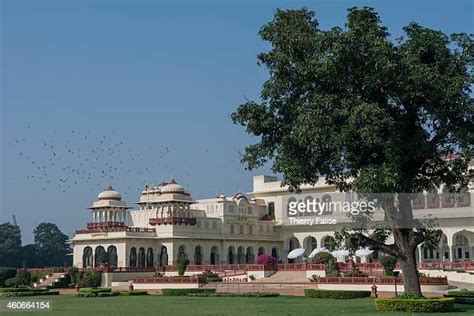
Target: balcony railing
[
  {"x": 105, "y": 225},
  {"x": 112, "y": 227},
  {"x": 173, "y": 221}
]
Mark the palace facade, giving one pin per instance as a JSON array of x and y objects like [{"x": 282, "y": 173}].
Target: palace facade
[{"x": 168, "y": 224}]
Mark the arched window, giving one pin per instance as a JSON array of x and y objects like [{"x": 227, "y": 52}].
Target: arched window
[
  {"x": 149, "y": 257},
  {"x": 87, "y": 258},
  {"x": 240, "y": 255},
  {"x": 250, "y": 257},
  {"x": 231, "y": 229},
  {"x": 241, "y": 229},
  {"x": 231, "y": 255},
  {"x": 112, "y": 254},
  {"x": 163, "y": 256},
  {"x": 275, "y": 252},
  {"x": 198, "y": 255},
  {"x": 329, "y": 243},
  {"x": 250, "y": 230},
  {"x": 133, "y": 257},
  {"x": 141, "y": 257},
  {"x": 214, "y": 255},
  {"x": 181, "y": 252},
  {"x": 310, "y": 244},
  {"x": 261, "y": 251},
  {"x": 271, "y": 209},
  {"x": 100, "y": 256}
]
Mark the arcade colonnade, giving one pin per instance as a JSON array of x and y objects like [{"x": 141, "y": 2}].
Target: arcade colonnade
[
  {"x": 149, "y": 254},
  {"x": 455, "y": 245}
]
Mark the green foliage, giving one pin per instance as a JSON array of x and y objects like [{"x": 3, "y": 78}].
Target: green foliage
[
  {"x": 10, "y": 246},
  {"x": 73, "y": 274},
  {"x": 184, "y": 292},
  {"x": 388, "y": 263},
  {"x": 330, "y": 263},
  {"x": 14, "y": 289},
  {"x": 463, "y": 292},
  {"x": 22, "y": 292},
  {"x": 369, "y": 113},
  {"x": 335, "y": 294},
  {"x": 22, "y": 278},
  {"x": 51, "y": 244},
  {"x": 93, "y": 292},
  {"x": 89, "y": 279},
  {"x": 133, "y": 293},
  {"x": 182, "y": 265},
  {"x": 6, "y": 273},
  {"x": 36, "y": 276},
  {"x": 249, "y": 294},
  {"x": 252, "y": 277},
  {"x": 420, "y": 305},
  {"x": 108, "y": 294}
]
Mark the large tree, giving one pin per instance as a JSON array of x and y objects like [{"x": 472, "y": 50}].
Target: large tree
[
  {"x": 51, "y": 244},
  {"x": 368, "y": 113},
  {"x": 10, "y": 245}
]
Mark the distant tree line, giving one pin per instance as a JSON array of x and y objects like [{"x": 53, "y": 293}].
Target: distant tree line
[{"x": 50, "y": 247}]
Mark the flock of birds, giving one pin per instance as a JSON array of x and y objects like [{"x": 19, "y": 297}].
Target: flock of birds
[
  {"x": 68, "y": 159},
  {"x": 64, "y": 160}
]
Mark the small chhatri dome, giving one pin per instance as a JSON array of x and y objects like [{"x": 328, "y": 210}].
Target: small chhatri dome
[
  {"x": 173, "y": 187},
  {"x": 109, "y": 194}
]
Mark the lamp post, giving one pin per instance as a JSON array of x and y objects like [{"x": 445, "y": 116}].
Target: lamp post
[{"x": 395, "y": 276}]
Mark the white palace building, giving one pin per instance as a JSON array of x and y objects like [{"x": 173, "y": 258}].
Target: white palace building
[{"x": 168, "y": 223}]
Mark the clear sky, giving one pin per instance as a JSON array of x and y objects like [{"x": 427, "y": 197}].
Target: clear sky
[{"x": 141, "y": 91}]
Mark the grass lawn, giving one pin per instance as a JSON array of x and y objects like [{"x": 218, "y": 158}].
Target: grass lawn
[{"x": 241, "y": 306}]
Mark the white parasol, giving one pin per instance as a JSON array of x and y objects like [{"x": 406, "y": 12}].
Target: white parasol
[
  {"x": 317, "y": 250},
  {"x": 296, "y": 253}
]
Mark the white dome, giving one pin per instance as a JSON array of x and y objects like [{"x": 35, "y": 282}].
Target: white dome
[
  {"x": 172, "y": 187},
  {"x": 109, "y": 194}
]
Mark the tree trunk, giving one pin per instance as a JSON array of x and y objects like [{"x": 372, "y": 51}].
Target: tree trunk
[{"x": 411, "y": 281}]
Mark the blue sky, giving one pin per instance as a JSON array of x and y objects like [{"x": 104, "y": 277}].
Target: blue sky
[{"x": 149, "y": 87}]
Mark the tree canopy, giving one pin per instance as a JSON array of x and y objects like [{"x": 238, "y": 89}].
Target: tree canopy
[{"x": 368, "y": 113}]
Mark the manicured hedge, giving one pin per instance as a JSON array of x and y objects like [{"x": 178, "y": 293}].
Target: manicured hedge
[
  {"x": 108, "y": 294},
  {"x": 14, "y": 289},
  {"x": 417, "y": 305},
  {"x": 250, "y": 294},
  {"x": 92, "y": 292},
  {"x": 28, "y": 292},
  {"x": 133, "y": 293},
  {"x": 333, "y": 294},
  {"x": 184, "y": 292},
  {"x": 461, "y": 293},
  {"x": 5, "y": 274}
]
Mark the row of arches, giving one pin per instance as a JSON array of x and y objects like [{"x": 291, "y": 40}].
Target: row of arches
[
  {"x": 246, "y": 256},
  {"x": 99, "y": 257}
]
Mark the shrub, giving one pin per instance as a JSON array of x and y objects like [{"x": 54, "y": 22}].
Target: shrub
[
  {"x": 36, "y": 276},
  {"x": 423, "y": 305},
  {"x": 329, "y": 262},
  {"x": 183, "y": 292},
  {"x": 14, "y": 289},
  {"x": 5, "y": 274},
  {"x": 133, "y": 293},
  {"x": 92, "y": 292},
  {"x": 22, "y": 292},
  {"x": 250, "y": 294},
  {"x": 463, "y": 292},
  {"x": 252, "y": 277},
  {"x": 89, "y": 279},
  {"x": 388, "y": 263},
  {"x": 314, "y": 278},
  {"x": 73, "y": 274},
  {"x": 108, "y": 294},
  {"x": 266, "y": 259},
  {"x": 355, "y": 273},
  {"x": 182, "y": 265},
  {"x": 334, "y": 294},
  {"x": 213, "y": 279}
]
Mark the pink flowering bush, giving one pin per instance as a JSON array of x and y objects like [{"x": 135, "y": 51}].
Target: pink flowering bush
[{"x": 266, "y": 259}]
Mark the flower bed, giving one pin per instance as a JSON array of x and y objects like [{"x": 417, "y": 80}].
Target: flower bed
[
  {"x": 417, "y": 305},
  {"x": 335, "y": 294}
]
